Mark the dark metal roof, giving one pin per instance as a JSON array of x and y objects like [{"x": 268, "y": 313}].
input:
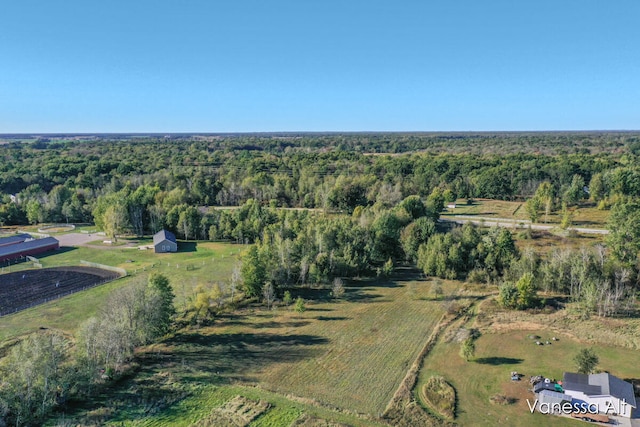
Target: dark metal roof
[
  {"x": 544, "y": 386},
  {"x": 11, "y": 240},
  {"x": 163, "y": 235},
  {"x": 18, "y": 248},
  {"x": 580, "y": 382},
  {"x": 600, "y": 384}
]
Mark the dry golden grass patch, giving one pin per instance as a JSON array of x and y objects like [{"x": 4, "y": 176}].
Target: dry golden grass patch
[
  {"x": 489, "y": 208},
  {"x": 238, "y": 412},
  {"x": 439, "y": 395}
]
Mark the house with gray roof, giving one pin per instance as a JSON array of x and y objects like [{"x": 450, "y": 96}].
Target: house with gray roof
[
  {"x": 164, "y": 241},
  {"x": 610, "y": 394}
]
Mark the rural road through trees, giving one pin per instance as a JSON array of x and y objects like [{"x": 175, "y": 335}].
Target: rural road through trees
[{"x": 514, "y": 223}]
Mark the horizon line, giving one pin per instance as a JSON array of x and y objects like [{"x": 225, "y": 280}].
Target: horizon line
[{"x": 316, "y": 132}]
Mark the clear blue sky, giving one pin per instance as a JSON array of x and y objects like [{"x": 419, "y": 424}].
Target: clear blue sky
[{"x": 318, "y": 65}]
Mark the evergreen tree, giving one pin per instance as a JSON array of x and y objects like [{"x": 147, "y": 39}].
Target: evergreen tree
[{"x": 253, "y": 272}]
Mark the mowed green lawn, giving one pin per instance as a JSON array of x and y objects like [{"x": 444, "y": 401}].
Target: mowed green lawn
[
  {"x": 201, "y": 263},
  {"x": 497, "y": 354}
]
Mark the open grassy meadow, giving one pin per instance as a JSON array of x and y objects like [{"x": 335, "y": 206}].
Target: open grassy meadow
[
  {"x": 586, "y": 215},
  {"x": 365, "y": 345},
  {"x": 508, "y": 344},
  {"x": 489, "y": 208},
  {"x": 335, "y": 360}
]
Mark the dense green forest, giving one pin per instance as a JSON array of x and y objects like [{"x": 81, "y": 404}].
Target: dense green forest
[{"x": 155, "y": 179}]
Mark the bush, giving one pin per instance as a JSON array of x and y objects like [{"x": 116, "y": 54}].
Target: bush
[
  {"x": 478, "y": 275},
  {"x": 299, "y": 307},
  {"x": 501, "y": 399}
]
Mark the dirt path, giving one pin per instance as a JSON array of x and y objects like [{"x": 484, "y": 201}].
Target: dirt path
[
  {"x": 514, "y": 223},
  {"x": 82, "y": 239}
]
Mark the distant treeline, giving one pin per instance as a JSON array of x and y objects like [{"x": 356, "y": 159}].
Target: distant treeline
[{"x": 60, "y": 180}]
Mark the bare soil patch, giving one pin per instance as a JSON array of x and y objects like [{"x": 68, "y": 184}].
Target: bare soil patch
[{"x": 24, "y": 289}]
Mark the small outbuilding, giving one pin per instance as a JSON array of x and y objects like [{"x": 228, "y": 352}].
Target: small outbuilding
[
  {"x": 164, "y": 241},
  {"x": 553, "y": 398}
]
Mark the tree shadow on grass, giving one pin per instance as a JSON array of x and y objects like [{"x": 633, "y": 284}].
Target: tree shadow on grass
[
  {"x": 372, "y": 282},
  {"x": 497, "y": 360},
  {"x": 187, "y": 246},
  {"x": 323, "y": 295},
  {"x": 60, "y": 250},
  {"x": 362, "y": 295},
  {"x": 235, "y": 355},
  {"x": 317, "y": 309},
  {"x": 328, "y": 318},
  {"x": 274, "y": 324},
  {"x": 232, "y": 319}
]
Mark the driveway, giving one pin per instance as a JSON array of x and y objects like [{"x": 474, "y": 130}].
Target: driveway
[{"x": 77, "y": 239}]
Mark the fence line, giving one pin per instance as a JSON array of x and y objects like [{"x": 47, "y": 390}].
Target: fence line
[{"x": 122, "y": 271}]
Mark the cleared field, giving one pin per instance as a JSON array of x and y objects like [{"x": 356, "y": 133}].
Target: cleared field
[
  {"x": 345, "y": 356},
  {"x": 197, "y": 263},
  {"x": 508, "y": 344},
  {"x": 489, "y": 208},
  {"x": 365, "y": 346},
  {"x": 334, "y": 359},
  {"x": 586, "y": 215},
  {"x": 350, "y": 354}
]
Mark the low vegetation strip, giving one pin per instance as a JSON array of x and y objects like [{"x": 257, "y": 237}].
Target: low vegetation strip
[{"x": 440, "y": 396}]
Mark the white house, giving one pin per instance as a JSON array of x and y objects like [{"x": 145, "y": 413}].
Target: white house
[{"x": 610, "y": 394}]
